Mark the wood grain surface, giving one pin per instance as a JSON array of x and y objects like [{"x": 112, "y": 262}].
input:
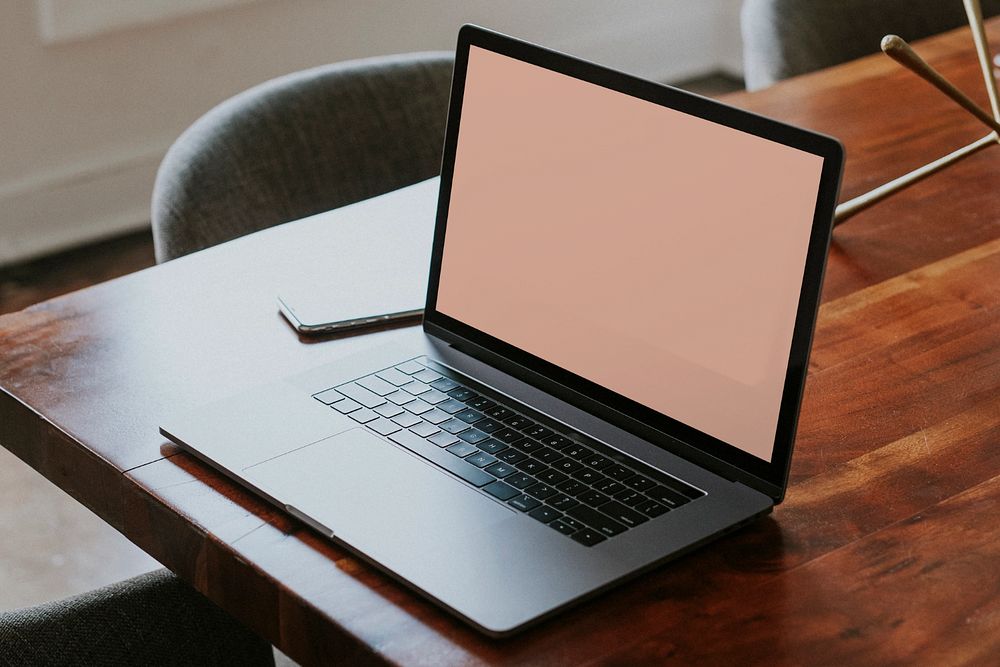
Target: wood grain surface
[{"x": 887, "y": 547}]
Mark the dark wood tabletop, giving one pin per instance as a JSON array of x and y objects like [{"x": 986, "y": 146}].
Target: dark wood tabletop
[{"x": 887, "y": 547}]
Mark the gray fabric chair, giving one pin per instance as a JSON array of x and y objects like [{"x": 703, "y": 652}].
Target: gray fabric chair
[
  {"x": 152, "y": 619},
  {"x": 301, "y": 144},
  {"x": 784, "y": 38}
]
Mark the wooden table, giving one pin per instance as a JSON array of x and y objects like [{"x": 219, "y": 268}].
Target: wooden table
[{"x": 887, "y": 547}]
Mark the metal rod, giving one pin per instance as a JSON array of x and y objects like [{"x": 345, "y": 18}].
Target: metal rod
[
  {"x": 896, "y": 48},
  {"x": 861, "y": 202},
  {"x": 975, "y": 14}
]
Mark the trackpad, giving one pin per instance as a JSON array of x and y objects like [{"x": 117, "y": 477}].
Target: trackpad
[{"x": 373, "y": 495}]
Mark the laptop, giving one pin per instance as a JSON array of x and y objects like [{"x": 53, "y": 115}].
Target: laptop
[{"x": 621, "y": 298}]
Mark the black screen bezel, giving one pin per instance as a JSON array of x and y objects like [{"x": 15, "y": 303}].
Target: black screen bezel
[{"x": 769, "y": 477}]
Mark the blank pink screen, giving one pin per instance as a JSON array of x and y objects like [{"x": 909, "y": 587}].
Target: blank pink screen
[{"x": 657, "y": 254}]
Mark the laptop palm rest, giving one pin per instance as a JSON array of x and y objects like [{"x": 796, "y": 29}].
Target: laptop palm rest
[
  {"x": 371, "y": 494},
  {"x": 431, "y": 530}
]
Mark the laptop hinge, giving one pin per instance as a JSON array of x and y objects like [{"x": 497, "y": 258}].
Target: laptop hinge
[{"x": 666, "y": 441}]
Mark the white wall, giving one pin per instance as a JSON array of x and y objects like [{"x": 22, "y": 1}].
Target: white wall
[{"x": 92, "y": 92}]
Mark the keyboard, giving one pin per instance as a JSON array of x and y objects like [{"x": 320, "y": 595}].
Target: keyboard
[{"x": 587, "y": 492}]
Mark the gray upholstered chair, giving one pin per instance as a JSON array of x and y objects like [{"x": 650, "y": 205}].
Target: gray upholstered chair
[
  {"x": 784, "y": 38},
  {"x": 301, "y": 144},
  {"x": 152, "y": 619}
]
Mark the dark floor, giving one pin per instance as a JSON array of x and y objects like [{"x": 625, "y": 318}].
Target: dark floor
[{"x": 30, "y": 282}]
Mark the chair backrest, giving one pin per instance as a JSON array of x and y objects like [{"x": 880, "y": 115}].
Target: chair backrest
[
  {"x": 784, "y": 38},
  {"x": 153, "y": 619},
  {"x": 301, "y": 144}
]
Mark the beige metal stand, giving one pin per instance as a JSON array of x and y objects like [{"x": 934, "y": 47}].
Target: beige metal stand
[{"x": 897, "y": 49}]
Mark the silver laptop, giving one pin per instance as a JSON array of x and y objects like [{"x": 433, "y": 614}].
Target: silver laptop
[{"x": 622, "y": 293}]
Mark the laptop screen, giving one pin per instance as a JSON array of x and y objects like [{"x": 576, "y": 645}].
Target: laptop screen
[{"x": 655, "y": 253}]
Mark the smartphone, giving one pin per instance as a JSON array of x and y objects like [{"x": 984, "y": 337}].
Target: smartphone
[
  {"x": 320, "y": 312},
  {"x": 380, "y": 274}
]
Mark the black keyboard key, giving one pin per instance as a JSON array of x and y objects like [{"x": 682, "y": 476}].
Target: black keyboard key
[
  {"x": 346, "y": 405},
  {"x": 532, "y": 466},
  {"x": 573, "y": 523},
  {"x": 410, "y": 367},
  {"x": 462, "y": 394},
  {"x": 588, "y": 476},
  {"x": 406, "y": 420},
  {"x": 562, "y": 502},
  {"x": 609, "y": 486},
  {"x": 389, "y": 410},
  {"x": 451, "y": 406},
  {"x": 680, "y": 487},
  {"x": 443, "y": 439},
  {"x": 480, "y": 459},
  {"x": 593, "y": 498},
  {"x": 394, "y": 376},
  {"x": 453, "y": 426},
  {"x": 474, "y": 436},
  {"x": 598, "y": 462},
  {"x": 425, "y": 430},
  {"x": 434, "y": 397},
  {"x": 601, "y": 522},
  {"x": 418, "y": 407},
  {"x": 546, "y": 455},
  {"x": 426, "y": 375},
  {"x": 544, "y": 514},
  {"x": 511, "y": 456},
  {"x": 377, "y": 385},
  {"x": 383, "y": 426},
  {"x": 492, "y": 446},
  {"x": 617, "y": 472},
  {"x": 416, "y": 387},
  {"x": 488, "y": 425},
  {"x": 468, "y": 415},
  {"x": 578, "y": 452},
  {"x": 652, "y": 509},
  {"x": 665, "y": 496},
  {"x": 392, "y": 409},
  {"x": 364, "y": 415},
  {"x": 499, "y": 412},
  {"x": 622, "y": 514},
  {"x": 361, "y": 395},
  {"x": 519, "y": 480},
  {"x": 507, "y": 435},
  {"x": 551, "y": 476},
  {"x": 540, "y": 491},
  {"x": 556, "y": 441},
  {"x": 524, "y": 503},
  {"x": 439, "y": 457},
  {"x": 519, "y": 422},
  {"x": 538, "y": 431},
  {"x": 462, "y": 449},
  {"x": 568, "y": 466},
  {"x": 501, "y": 490},
  {"x": 436, "y": 416},
  {"x": 444, "y": 384},
  {"x": 480, "y": 403},
  {"x": 630, "y": 497},
  {"x": 329, "y": 397},
  {"x": 501, "y": 470},
  {"x": 640, "y": 483},
  {"x": 400, "y": 397},
  {"x": 527, "y": 445},
  {"x": 572, "y": 487},
  {"x": 587, "y": 537},
  {"x": 562, "y": 527}
]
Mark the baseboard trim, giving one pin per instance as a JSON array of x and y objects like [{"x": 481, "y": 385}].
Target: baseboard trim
[{"x": 94, "y": 198}]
